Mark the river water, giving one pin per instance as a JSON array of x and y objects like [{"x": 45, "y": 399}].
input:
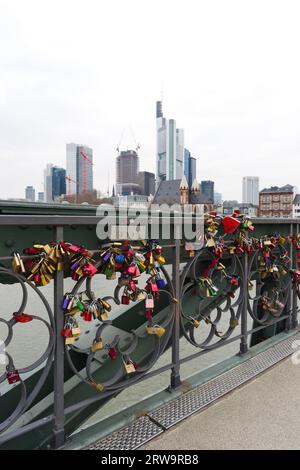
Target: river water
[{"x": 29, "y": 342}]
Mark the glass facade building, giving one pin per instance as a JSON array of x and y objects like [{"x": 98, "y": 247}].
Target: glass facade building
[
  {"x": 79, "y": 168},
  {"x": 169, "y": 147}
]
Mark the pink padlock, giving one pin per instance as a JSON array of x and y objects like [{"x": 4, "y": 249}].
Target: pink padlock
[
  {"x": 149, "y": 303},
  {"x": 154, "y": 287},
  {"x": 131, "y": 269}
]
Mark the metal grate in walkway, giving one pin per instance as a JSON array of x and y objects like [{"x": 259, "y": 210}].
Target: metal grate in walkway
[{"x": 148, "y": 427}]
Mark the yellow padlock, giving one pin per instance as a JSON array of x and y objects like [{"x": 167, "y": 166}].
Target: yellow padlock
[
  {"x": 76, "y": 331},
  {"x": 44, "y": 281},
  {"x": 105, "y": 304},
  {"x": 155, "y": 330},
  {"x": 97, "y": 345},
  {"x": 196, "y": 323},
  {"x": 233, "y": 323},
  {"x": 70, "y": 340},
  {"x": 102, "y": 316}
]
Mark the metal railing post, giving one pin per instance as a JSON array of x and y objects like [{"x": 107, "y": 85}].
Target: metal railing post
[
  {"x": 59, "y": 414},
  {"x": 244, "y": 313},
  {"x": 294, "y": 320},
  {"x": 288, "y": 307},
  {"x": 175, "y": 374}
]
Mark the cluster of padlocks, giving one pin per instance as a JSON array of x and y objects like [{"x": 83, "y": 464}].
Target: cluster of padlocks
[{"x": 129, "y": 262}]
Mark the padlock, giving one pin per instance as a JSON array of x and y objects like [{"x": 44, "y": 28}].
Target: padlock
[
  {"x": 105, "y": 305},
  {"x": 79, "y": 305},
  {"x": 129, "y": 367},
  {"x": 125, "y": 299},
  {"x": 131, "y": 269},
  {"x": 160, "y": 259},
  {"x": 102, "y": 316},
  {"x": 132, "y": 285},
  {"x": 43, "y": 280},
  {"x": 12, "y": 376},
  {"x": 70, "y": 340},
  {"x": 89, "y": 270},
  {"x": 110, "y": 273},
  {"x": 65, "y": 302},
  {"x": 149, "y": 313},
  {"x": 161, "y": 283},
  {"x": 119, "y": 258},
  {"x": 141, "y": 295},
  {"x": 113, "y": 353},
  {"x": 155, "y": 330},
  {"x": 97, "y": 345},
  {"x": 153, "y": 287},
  {"x": 106, "y": 256},
  {"x": 234, "y": 281},
  {"x": 23, "y": 318},
  {"x": 210, "y": 243},
  {"x": 196, "y": 323},
  {"x": 149, "y": 303},
  {"x": 87, "y": 315},
  {"x": 75, "y": 331},
  {"x": 233, "y": 322},
  {"x": 66, "y": 332}
]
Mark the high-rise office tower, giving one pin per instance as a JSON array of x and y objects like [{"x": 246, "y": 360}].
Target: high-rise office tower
[
  {"x": 169, "y": 147},
  {"x": 58, "y": 182},
  {"x": 189, "y": 167},
  {"x": 251, "y": 190},
  {"x": 79, "y": 168},
  {"x": 30, "y": 193},
  {"x": 54, "y": 182},
  {"x": 127, "y": 167},
  {"x": 179, "y": 153},
  {"x": 207, "y": 188},
  {"x": 146, "y": 181},
  {"x": 48, "y": 182}
]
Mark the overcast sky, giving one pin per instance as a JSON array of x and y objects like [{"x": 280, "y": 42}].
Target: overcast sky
[{"x": 81, "y": 71}]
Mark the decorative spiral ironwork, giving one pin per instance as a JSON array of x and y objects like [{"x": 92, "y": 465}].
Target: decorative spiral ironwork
[
  {"x": 119, "y": 379},
  {"x": 273, "y": 291},
  {"x": 26, "y": 397}
]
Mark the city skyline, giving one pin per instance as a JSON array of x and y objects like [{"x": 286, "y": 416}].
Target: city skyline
[{"x": 234, "y": 112}]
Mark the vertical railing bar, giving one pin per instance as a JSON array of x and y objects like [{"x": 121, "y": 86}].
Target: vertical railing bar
[
  {"x": 294, "y": 287},
  {"x": 288, "y": 308},
  {"x": 59, "y": 414},
  {"x": 175, "y": 373},
  {"x": 244, "y": 313}
]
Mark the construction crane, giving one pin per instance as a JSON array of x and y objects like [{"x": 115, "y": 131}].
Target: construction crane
[
  {"x": 70, "y": 180},
  {"x": 86, "y": 160}
]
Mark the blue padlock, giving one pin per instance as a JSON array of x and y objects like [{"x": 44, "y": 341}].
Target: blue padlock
[
  {"x": 161, "y": 283},
  {"x": 119, "y": 259}
]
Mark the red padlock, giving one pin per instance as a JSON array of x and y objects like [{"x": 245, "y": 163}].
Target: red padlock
[
  {"x": 37, "y": 278},
  {"x": 230, "y": 224},
  {"x": 234, "y": 281},
  {"x": 149, "y": 314},
  {"x": 13, "y": 376},
  {"x": 23, "y": 318},
  {"x": 113, "y": 353},
  {"x": 66, "y": 332},
  {"x": 89, "y": 270},
  {"x": 87, "y": 315},
  {"x": 125, "y": 300}
]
